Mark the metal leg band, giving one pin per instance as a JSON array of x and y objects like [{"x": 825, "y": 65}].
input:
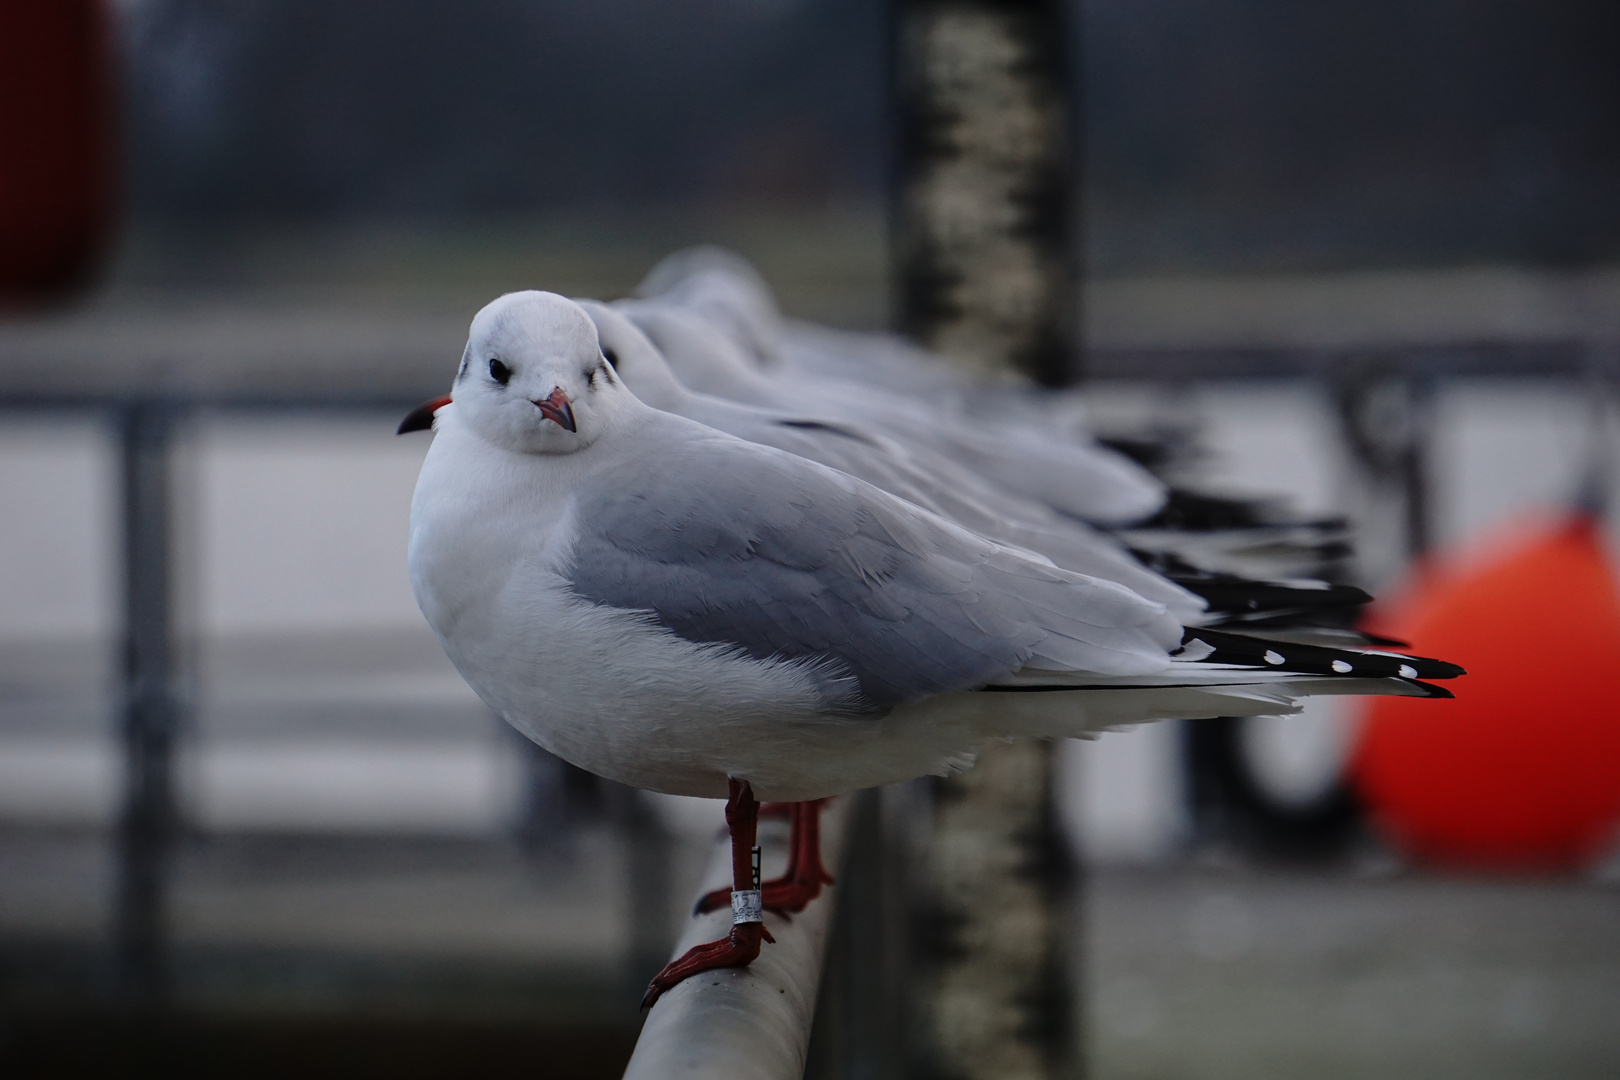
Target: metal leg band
[{"x": 746, "y": 907}]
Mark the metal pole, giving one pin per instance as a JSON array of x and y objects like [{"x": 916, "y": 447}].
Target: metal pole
[
  {"x": 1415, "y": 468},
  {"x": 860, "y": 1019},
  {"x": 1386, "y": 412},
  {"x": 151, "y": 705},
  {"x": 985, "y": 256}
]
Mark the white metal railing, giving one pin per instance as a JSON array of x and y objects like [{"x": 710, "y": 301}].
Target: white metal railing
[{"x": 749, "y": 1023}]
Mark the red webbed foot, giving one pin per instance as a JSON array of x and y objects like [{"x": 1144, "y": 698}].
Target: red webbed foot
[{"x": 738, "y": 949}]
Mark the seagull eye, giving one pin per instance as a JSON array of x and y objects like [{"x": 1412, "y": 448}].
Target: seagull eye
[{"x": 499, "y": 372}]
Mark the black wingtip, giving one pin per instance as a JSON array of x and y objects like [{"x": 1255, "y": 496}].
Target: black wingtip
[
  {"x": 1435, "y": 693},
  {"x": 1379, "y": 641},
  {"x": 1238, "y": 596},
  {"x": 1197, "y": 511},
  {"x": 1258, "y": 652},
  {"x": 421, "y": 417}
]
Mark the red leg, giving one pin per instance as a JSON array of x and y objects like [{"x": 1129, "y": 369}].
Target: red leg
[
  {"x": 741, "y": 946},
  {"x": 805, "y": 875}
]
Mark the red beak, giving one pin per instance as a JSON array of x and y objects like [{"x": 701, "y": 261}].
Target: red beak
[
  {"x": 421, "y": 417},
  {"x": 556, "y": 408}
]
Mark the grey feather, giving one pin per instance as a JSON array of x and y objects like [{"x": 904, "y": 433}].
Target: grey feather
[
  {"x": 919, "y": 476},
  {"x": 1087, "y": 481},
  {"x": 727, "y": 542}
]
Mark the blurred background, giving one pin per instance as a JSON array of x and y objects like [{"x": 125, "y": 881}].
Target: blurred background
[{"x": 1364, "y": 257}]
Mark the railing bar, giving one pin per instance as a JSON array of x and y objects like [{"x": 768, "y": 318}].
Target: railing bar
[
  {"x": 750, "y": 1024},
  {"x": 151, "y": 705}
]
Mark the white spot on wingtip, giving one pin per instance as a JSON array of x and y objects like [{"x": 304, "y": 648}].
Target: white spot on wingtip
[
  {"x": 1273, "y": 657},
  {"x": 1407, "y": 671},
  {"x": 1196, "y": 649},
  {"x": 1341, "y": 667}
]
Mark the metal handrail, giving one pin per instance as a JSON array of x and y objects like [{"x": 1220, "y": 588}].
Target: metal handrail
[
  {"x": 153, "y": 707},
  {"x": 752, "y": 1022}
]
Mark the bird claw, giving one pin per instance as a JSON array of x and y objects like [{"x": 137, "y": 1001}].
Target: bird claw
[{"x": 738, "y": 949}]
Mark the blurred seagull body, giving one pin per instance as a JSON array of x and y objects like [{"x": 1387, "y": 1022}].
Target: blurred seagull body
[
  {"x": 726, "y": 290},
  {"x": 727, "y": 322},
  {"x": 1083, "y": 480},
  {"x": 918, "y": 475}
]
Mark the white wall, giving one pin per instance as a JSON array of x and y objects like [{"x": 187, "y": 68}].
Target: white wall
[
  {"x": 302, "y": 523},
  {"x": 1505, "y": 448},
  {"x": 58, "y": 494}
]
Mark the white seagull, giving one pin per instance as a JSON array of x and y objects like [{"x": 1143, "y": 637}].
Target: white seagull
[
  {"x": 680, "y": 610},
  {"x": 798, "y": 362},
  {"x": 726, "y": 290},
  {"x": 1082, "y": 479},
  {"x": 921, "y": 475},
  {"x": 915, "y": 474}
]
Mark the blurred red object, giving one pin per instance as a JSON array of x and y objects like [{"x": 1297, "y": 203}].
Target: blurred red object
[
  {"x": 58, "y": 148},
  {"x": 1522, "y": 771}
]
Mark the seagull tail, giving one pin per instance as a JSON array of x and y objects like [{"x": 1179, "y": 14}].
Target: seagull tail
[{"x": 1214, "y": 674}]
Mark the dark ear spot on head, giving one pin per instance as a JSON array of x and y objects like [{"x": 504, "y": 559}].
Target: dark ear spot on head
[{"x": 466, "y": 355}]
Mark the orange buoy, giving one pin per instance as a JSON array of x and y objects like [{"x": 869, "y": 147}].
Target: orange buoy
[{"x": 1522, "y": 771}]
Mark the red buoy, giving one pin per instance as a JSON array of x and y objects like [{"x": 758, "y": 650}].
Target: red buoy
[{"x": 1522, "y": 771}]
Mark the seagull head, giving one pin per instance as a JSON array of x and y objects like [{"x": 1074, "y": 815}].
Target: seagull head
[
  {"x": 533, "y": 378},
  {"x": 635, "y": 358},
  {"x": 724, "y": 287},
  {"x": 700, "y": 355}
]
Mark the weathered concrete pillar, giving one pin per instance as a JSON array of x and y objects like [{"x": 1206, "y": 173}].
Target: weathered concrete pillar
[
  {"x": 984, "y": 182},
  {"x": 984, "y": 258}
]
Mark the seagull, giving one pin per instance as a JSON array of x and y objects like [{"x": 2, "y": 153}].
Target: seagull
[
  {"x": 915, "y": 474},
  {"x": 723, "y": 290},
  {"x": 726, "y": 290},
  {"x": 1084, "y": 480},
  {"x": 680, "y": 610},
  {"x": 942, "y": 485}
]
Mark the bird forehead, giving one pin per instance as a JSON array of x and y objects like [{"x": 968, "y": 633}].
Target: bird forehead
[
  {"x": 615, "y": 331},
  {"x": 536, "y": 323}
]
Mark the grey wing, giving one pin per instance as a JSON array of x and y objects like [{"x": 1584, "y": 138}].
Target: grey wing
[
  {"x": 730, "y": 543},
  {"x": 952, "y": 491},
  {"x": 878, "y": 461}
]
